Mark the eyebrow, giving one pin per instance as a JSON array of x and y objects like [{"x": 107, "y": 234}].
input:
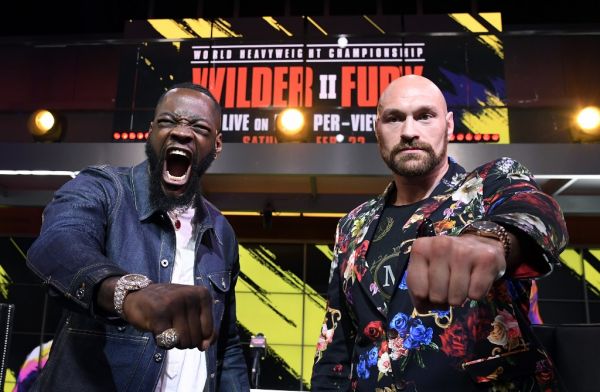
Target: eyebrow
[
  {"x": 421, "y": 108},
  {"x": 188, "y": 118}
]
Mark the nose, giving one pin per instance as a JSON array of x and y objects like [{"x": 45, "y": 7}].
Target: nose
[
  {"x": 183, "y": 133},
  {"x": 409, "y": 129}
]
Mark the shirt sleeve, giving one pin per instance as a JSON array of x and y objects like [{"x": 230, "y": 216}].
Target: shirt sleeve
[
  {"x": 69, "y": 254},
  {"x": 513, "y": 198}
]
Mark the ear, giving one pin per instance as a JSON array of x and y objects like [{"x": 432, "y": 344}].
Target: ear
[
  {"x": 376, "y": 127},
  {"x": 219, "y": 143},
  {"x": 449, "y": 124}
]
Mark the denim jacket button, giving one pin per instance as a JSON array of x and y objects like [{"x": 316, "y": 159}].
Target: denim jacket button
[
  {"x": 164, "y": 263},
  {"x": 80, "y": 292},
  {"x": 158, "y": 357},
  {"x": 212, "y": 375},
  {"x": 121, "y": 328}
]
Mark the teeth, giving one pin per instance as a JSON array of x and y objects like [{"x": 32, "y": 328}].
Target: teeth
[
  {"x": 175, "y": 178},
  {"x": 178, "y": 152}
]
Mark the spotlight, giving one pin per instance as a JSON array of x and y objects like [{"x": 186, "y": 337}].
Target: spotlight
[
  {"x": 290, "y": 126},
  {"x": 45, "y": 126},
  {"x": 587, "y": 127},
  {"x": 342, "y": 42},
  {"x": 588, "y": 120}
]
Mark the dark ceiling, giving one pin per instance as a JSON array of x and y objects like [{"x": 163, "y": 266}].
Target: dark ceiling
[{"x": 106, "y": 18}]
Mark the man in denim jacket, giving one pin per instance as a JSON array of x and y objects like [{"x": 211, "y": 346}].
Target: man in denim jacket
[{"x": 145, "y": 266}]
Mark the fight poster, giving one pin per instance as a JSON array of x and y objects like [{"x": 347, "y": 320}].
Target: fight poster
[{"x": 332, "y": 69}]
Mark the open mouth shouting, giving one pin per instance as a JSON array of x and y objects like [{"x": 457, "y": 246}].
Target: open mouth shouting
[{"x": 177, "y": 168}]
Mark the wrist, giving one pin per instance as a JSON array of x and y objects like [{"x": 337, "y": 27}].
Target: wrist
[
  {"x": 125, "y": 285},
  {"x": 489, "y": 229},
  {"x": 104, "y": 296},
  {"x": 492, "y": 231}
]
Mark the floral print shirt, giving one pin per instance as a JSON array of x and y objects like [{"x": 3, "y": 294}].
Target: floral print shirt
[{"x": 370, "y": 344}]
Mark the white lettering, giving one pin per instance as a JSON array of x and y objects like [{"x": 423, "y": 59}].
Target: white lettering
[{"x": 388, "y": 274}]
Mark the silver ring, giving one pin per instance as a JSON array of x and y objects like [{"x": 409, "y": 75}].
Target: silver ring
[{"x": 167, "y": 339}]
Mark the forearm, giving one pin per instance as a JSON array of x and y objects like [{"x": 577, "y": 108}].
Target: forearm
[
  {"x": 514, "y": 200},
  {"x": 527, "y": 258},
  {"x": 69, "y": 254},
  {"x": 75, "y": 276}
]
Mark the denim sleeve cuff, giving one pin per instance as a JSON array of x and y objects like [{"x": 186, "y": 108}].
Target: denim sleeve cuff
[{"x": 83, "y": 287}]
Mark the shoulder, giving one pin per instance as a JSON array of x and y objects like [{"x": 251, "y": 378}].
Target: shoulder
[
  {"x": 95, "y": 182},
  {"x": 503, "y": 167},
  {"x": 361, "y": 211},
  {"x": 369, "y": 207},
  {"x": 220, "y": 222},
  {"x": 212, "y": 210},
  {"x": 104, "y": 172}
]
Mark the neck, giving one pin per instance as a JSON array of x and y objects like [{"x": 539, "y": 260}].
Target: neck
[{"x": 410, "y": 190}]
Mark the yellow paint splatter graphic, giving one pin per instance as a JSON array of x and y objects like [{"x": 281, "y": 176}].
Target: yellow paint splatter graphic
[
  {"x": 276, "y": 25},
  {"x": 581, "y": 267},
  {"x": 326, "y": 250},
  {"x": 192, "y": 28},
  {"x": 5, "y": 282},
  {"x": 270, "y": 300},
  {"x": 492, "y": 118},
  {"x": 10, "y": 380},
  {"x": 473, "y": 25}
]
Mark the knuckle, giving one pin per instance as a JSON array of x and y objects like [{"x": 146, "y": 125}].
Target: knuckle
[
  {"x": 437, "y": 298},
  {"x": 477, "y": 292}
]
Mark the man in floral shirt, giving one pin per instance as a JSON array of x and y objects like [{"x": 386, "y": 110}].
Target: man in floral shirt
[{"x": 454, "y": 316}]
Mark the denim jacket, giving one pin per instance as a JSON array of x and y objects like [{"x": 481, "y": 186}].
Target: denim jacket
[{"x": 102, "y": 224}]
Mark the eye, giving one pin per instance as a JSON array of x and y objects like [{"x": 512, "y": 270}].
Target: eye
[
  {"x": 425, "y": 116},
  {"x": 201, "y": 129},
  {"x": 393, "y": 117},
  {"x": 165, "y": 122}
]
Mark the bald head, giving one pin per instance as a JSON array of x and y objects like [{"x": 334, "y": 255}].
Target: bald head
[
  {"x": 412, "y": 86},
  {"x": 413, "y": 127}
]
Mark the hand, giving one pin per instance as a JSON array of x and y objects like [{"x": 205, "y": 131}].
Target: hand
[
  {"x": 445, "y": 271},
  {"x": 186, "y": 308}
]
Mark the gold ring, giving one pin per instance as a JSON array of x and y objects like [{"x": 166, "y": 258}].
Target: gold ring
[{"x": 167, "y": 339}]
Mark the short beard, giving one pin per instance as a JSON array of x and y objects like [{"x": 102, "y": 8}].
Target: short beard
[
  {"x": 193, "y": 191},
  {"x": 405, "y": 166}
]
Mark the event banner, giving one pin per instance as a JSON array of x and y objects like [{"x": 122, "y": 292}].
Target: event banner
[{"x": 257, "y": 67}]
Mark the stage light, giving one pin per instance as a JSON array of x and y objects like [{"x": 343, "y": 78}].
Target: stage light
[
  {"x": 588, "y": 120},
  {"x": 129, "y": 136},
  {"x": 290, "y": 126},
  {"x": 586, "y": 125},
  {"x": 474, "y": 138},
  {"x": 45, "y": 126}
]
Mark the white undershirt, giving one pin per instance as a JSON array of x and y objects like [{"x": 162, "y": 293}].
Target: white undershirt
[{"x": 184, "y": 370}]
